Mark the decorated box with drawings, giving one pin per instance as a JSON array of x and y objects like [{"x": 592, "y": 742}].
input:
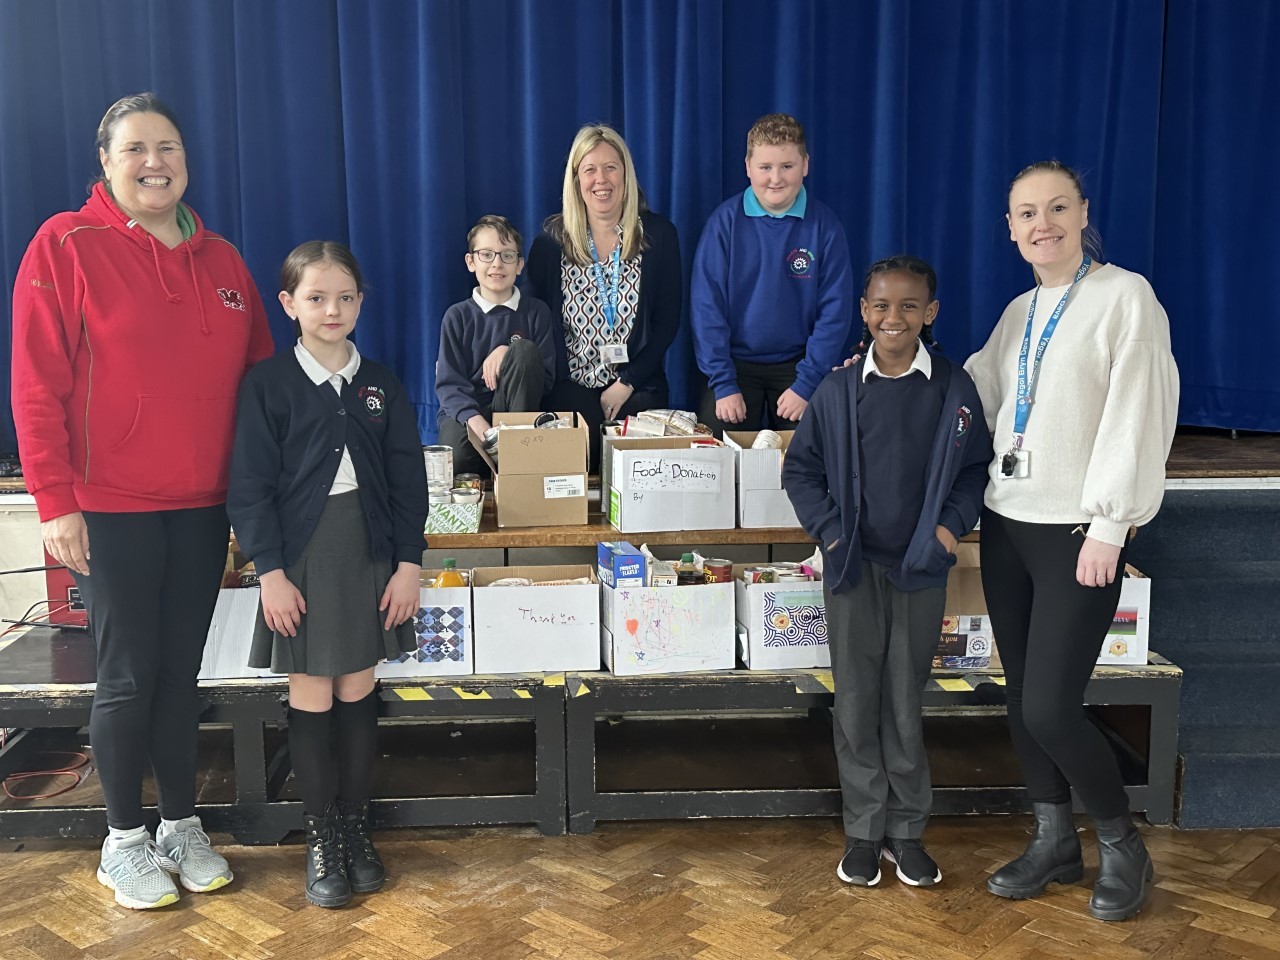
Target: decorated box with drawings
[
  {"x": 454, "y": 518},
  {"x": 782, "y": 625},
  {"x": 649, "y": 630},
  {"x": 443, "y": 633}
]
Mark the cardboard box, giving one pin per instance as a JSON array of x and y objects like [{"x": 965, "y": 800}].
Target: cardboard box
[
  {"x": 443, "y": 630},
  {"x": 761, "y": 500},
  {"x": 620, "y": 564},
  {"x": 669, "y": 483},
  {"x": 646, "y": 630},
  {"x": 540, "y": 478},
  {"x": 781, "y": 625},
  {"x": 454, "y": 518},
  {"x": 536, "y": 629},
  {"x": 966, "y": 625},
  {"x": 226, "y": 649}
]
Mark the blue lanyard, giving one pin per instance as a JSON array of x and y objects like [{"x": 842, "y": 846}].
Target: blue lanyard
[
  {"x": 1027, "y": 387},
  {"x": 608, "y": 296}
]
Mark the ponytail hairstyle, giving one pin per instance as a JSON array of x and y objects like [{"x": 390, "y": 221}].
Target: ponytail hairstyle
[
  {"x": 901, "y": 263},
  {"x": 1090, "y": 239}
]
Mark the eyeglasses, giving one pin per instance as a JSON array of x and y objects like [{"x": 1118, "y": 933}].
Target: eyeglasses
[{"x": 486, "y": 256}]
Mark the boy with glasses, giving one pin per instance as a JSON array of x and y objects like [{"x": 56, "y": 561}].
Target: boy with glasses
[{"x": 496, "y": 347}]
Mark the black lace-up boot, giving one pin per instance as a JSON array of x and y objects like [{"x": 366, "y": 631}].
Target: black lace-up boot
[
  {"x": 327, "y": 883},
  {"x": 364, "y": 866}
]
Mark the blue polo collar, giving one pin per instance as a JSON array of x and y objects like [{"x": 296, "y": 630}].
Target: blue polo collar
[{"x": 752, "y": 208}]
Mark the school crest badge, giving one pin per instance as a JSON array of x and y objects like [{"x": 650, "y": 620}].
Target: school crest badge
[
  {"x": 231, "y": 299},
  {"x": 801, "y": 263},
  {"x": 375, "y": 402}
]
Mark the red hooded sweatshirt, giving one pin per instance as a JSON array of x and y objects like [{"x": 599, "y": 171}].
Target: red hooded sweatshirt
[{"x": 126, "y": 360}]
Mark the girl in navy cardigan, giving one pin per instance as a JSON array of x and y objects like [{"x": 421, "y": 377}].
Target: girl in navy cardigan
[{"x": 328, "y": 498}]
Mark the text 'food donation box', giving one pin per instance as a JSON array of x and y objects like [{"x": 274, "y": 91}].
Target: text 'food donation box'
[
  {"x": 548, "y": 627},
  {"x": 669, "y": 483},
  {"x": 539, "y": 474}
]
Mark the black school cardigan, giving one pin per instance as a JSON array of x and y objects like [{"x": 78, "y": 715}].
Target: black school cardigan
[
  {"x": 288, "y": 444},
  {"x": 658, "y": 309}
]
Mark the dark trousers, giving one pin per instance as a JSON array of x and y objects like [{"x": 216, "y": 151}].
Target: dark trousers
[
  {"x": 153, "y": 583},
  {"x": 568, "y": 395},
  {"x": 1049, "y": 630},
  {"x": 522, "y": 381},
  {"x": 760, "y": 385},
  {"x": 882, "y": 644}
]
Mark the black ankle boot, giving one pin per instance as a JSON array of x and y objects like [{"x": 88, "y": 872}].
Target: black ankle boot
[
  {"x": 364, "y": 866},
  {"x": 327, "y": 883},
  {"x": 1052, "y": 856},
  {"x": 1124, "y": 870}
]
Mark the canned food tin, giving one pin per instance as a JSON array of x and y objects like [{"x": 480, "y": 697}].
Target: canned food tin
[
  {"x": 471, "y": 480},
  {"x": 717, "y": 571},
  {"x": 790, "y": 576},
  {"x": 439, "y": 460},
  {"x": 465, "y": 495},
  {"x": 759, "y": 573}
]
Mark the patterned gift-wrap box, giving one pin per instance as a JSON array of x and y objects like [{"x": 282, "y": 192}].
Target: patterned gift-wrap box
[
  {"x": 454, "y": 518},
  {"x": 781, "y": 625},
  {"x": 442, "y": 629}
]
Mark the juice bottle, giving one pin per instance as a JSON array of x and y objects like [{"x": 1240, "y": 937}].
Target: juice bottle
[
  {"x": 449, "y": 576},
  {"x": 687, "y": 573}
]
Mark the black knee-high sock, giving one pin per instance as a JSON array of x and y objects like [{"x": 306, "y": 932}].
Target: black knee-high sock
[
  {"x": 312, "y": 759},
  {"x": 355, "y": 732}
]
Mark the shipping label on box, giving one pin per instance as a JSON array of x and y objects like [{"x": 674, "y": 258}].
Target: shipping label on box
[
  {"x": 783, "y": 625},
  {"x": 670, "y": 483},
  {"x": 668, "y": 629},
  {"x": 442, "y": 633},
  {"x": 540, "y": 475},
  {"x": 226, "y": 649},
  {"x": 536, "y": 629}
]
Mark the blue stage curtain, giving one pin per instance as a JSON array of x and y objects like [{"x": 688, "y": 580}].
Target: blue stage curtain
[
  {"x": 394, "y": 125},
  {"x": 1217, "y": 250}
]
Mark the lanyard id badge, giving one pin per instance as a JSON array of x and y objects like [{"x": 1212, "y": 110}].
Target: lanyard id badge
[
  {"x": 608, "y": 293},
  {"x": 1016, "y": 463}
]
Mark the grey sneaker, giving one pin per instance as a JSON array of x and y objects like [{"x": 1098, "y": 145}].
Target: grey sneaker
[
  {"x": 188, "y": 854},
  {"x": 134, "y": 869}
]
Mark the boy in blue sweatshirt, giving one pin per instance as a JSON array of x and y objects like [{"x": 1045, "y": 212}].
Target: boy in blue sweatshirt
[
  {"x": 887, "y": 471},
  {"x": 772, "y": 289},
  {"x": 496, "y": 347}
]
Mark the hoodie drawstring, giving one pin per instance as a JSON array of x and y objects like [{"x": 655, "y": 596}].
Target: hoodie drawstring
[
  {"x": 169, "y": 295},
  {"x": 191, "y": 259}
]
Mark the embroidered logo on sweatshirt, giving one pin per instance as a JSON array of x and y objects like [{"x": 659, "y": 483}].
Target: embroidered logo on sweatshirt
[
  {"x": 963, "y": 416},
  {"x": 375, "y": 402},
  {"x": 801, "y": 263},
  {"x": 231, "y": 298},
  {"x": 42, "y": 284}
]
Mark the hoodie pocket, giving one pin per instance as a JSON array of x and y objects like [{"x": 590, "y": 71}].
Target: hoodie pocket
[
  {"x": 178, "y": 448},
  {"x": 937, "y": 559}
]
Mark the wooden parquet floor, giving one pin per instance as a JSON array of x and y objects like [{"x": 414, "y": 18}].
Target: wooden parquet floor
[{"x": 713, "y": 890}]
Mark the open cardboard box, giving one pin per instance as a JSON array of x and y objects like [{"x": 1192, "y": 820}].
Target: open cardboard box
[
  {"x": 540, "y": 477},
  {"x": 536, "y": 629},
  {"x": 668, "y": 483},
  {"x": 761, "y": 500}
]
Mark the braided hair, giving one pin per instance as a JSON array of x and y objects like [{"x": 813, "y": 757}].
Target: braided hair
[{"x": 901, "y": 263}]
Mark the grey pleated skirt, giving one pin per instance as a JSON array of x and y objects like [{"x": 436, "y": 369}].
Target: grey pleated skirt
[{"x": 341, "y": 632}]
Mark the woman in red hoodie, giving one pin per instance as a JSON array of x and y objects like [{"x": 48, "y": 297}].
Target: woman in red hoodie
[{"x": 132, "y": 326}]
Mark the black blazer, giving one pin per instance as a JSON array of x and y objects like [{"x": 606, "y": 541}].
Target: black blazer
[{"x": 657, "y": 313}]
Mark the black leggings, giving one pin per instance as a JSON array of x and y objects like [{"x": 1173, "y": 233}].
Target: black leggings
[
  {"x": 1049, "y": 630},
  {"x": 150, "y": 594}
]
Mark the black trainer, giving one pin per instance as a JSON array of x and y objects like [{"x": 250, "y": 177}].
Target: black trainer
[
  {"x": 364, "y": 866},
  {"x": 327, "y": 883},
  {"x": 915, "y": 866},
  {"x": 860, "y": 864}
]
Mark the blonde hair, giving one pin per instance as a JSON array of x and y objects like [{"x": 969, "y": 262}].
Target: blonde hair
[
  {"x": 775, "y": 129},
  {"x": 569, "y": 227}
]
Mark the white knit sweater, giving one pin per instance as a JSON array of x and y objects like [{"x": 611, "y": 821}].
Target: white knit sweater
[{"x": 1105, "y": 405}]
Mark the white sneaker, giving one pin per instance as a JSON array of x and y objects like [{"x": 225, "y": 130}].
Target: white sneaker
[
  {"x": 187, "y": 852},
  {"x": 134, "y": 869}
]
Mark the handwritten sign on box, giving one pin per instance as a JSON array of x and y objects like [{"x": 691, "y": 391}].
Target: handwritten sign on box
[
  {"x": 672, "y": 473},
  {"x": 536, "y": 629}
]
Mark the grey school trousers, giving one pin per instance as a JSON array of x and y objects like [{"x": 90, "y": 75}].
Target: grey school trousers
[{"x": 882, "y": 645}]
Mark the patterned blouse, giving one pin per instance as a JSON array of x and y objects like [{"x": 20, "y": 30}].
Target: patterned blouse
[{"x": 585, "y": 327}]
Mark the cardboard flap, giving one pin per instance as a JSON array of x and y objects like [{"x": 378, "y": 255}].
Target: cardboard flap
[{"x": 531, "y": 451}]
